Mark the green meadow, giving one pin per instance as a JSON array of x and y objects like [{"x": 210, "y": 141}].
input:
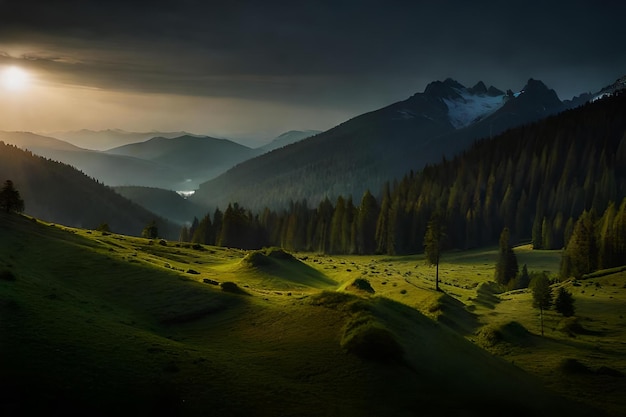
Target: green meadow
[{"x": 94, "y": 323}]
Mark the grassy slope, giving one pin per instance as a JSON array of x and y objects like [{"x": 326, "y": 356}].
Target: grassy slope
[{"x": 96, "y": 324}]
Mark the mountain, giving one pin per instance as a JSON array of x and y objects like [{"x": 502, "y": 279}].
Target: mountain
[
  {"x": 58, "y": 193},
  {"x": 35, "y": 142},
  {"x": 379, "y": 146},
  {"x": 288, "y": 138},
  {"x": 165, "y": 203},
  {"x": 180, "y": 163},
  {"x": 106, "y": 139},
  {"x": 199, "y": 158},
  {"x": 618, "y": 85},
  {"x": 107, "y": 168}
]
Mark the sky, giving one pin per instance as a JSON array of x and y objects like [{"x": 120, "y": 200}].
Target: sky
[{"x": 251, "y": 70}]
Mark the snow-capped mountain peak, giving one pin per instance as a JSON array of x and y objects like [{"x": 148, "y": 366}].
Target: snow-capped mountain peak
[
  {"x": 468, "y": 106},
  {"x": 618, "y": 85}
]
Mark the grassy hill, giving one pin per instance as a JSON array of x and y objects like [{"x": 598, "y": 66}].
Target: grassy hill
[{"x": 94, "y": 323}]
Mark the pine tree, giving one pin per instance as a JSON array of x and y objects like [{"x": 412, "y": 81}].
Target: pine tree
[
  {"x": 607, "y": 256},
  {"x": 10, "y": 199},
  {"x": 382, "y": 224},
  {"x": 522, "y": 280},
  {"x": 581, "y": 254},
  {"x": 564, "y": 302},
  {"x": 184, "y": 234},
  {"x": 366, "y": 228},
  {"x": 542, "y": 295},
  {"x": 506, "y": 266},
  {"x": 433, "y": 242},
  {"x": 337, "y": 227}
]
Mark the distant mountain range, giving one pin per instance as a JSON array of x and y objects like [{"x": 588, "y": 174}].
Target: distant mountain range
[
  {"x": 383, "y": 145},
  {"x": 102, "y": 140},
  {"x": 59, "y": 193},
  {"x": 180, "y": 163}
]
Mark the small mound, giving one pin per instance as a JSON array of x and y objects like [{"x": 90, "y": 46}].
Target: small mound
[
  {"x": 278, "y": 253},
  {"x": 262, "y": 258},
  {"x": 451, "y": 312},
  {"x": 365, "y": 337},
  {"x": 511, "y": 333},
  {"x": 280, "y": 270},
  {"x": 340, "y": 301},
  {"x": 256, "y": 259},
  {"x": 572, "y": 327},
  {"x": 574, "y": 367},
  {"x": 486, "y": 294},
  {"x": 233, "y": 288},
  {"x": 361, "y": 284}
]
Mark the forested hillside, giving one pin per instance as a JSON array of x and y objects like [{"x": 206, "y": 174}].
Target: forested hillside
[
  {"x": 382, "y": 145},
  {"x": 59, "y": 193},
  {"x": 536, "y": 180}
]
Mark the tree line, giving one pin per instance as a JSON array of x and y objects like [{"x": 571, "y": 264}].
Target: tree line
[{"x": 536, "y": 181}]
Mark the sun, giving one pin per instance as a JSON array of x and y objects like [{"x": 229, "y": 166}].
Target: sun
[{"x": 14, "y": 79}]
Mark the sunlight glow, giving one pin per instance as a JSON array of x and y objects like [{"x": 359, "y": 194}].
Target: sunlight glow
[{"x": 14, "y": 79}]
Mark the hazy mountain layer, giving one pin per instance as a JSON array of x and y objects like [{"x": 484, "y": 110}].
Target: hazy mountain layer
[{"x": 58, "y": 193}]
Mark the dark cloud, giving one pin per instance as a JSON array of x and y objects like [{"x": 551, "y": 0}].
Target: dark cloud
[{"x": 326, "y": 52}]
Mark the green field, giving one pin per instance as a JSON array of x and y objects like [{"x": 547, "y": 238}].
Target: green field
[{"x": 95, "y": 324}]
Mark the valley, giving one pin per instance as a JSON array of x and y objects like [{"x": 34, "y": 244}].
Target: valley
[
  {"x": 312, "y": 209},
  {"x": 305, "y": 298},
  {"x": 102, "y": 322}
]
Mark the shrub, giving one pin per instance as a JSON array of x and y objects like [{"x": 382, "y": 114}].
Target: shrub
[{"x": 363, "y": 285}]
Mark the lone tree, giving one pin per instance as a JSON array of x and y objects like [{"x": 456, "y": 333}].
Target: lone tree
[
  {"x": 433, "y": 243},
  {"x": 506, "y": 267},
  {"x": 542, "y": 295},
  {"x": 10, "y": 199},
  {"x": 151, "y": 231},
  {"x": 564, "y": 302}
]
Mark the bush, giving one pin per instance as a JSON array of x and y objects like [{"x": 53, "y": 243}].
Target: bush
[{"x": 363, "y": 285}]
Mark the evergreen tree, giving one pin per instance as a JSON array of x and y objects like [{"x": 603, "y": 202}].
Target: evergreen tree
[
  {"x": 564, "y": 302},
  {"x": 542, "y": 295},
  {"x": 151, "y": 231},
  {"x": 193, "y": 227},
  {"x": 506, "y": 266},
  {"x": 581, "y": 254},
  {"x": 10, "y": 199},
  {"x": 337, "y": 226},
  {"x": 433, "y": 242},
  {"x": 522, "y": 280},
  {"x": 607, "y": 237},
  {"x": 202, "y": 233},
  {"x": 366, "y": 227},
  {"x": 184, "y": 234},
  {"x": 382, "y": 225}
]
